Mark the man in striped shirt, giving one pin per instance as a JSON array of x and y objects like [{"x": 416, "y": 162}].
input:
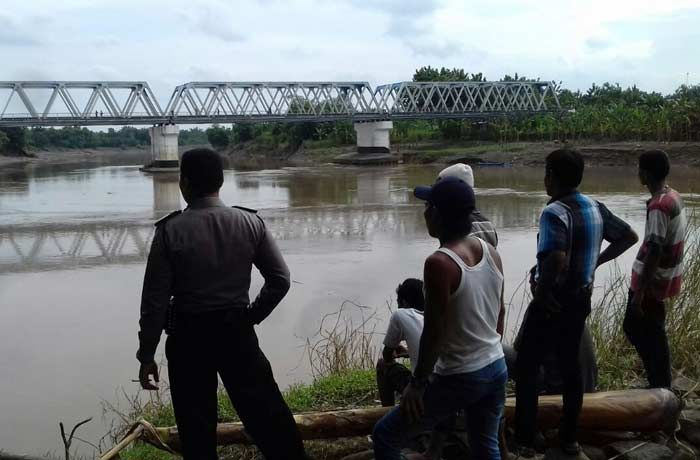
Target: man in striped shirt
[
  {"x": 572, "y": 229},
  {"x": 656, "y": 273}
]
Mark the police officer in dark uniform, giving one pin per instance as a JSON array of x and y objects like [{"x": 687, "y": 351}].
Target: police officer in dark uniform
[{"x": 196, "y": 288}]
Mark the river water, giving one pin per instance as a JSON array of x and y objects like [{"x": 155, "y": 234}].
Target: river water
[{"x": 73, "y": 244}]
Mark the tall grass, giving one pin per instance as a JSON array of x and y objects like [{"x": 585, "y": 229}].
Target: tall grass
[{"x": 342, "y": 343}]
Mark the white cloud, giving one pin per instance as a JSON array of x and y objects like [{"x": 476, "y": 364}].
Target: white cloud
[
  {"x": 216, "y": 20},
  {"x": 16, "y": 32},
  {"x": 650, "y": 43}
]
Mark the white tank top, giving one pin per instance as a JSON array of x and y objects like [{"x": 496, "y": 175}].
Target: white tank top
[{"x": 472, "y": 341}]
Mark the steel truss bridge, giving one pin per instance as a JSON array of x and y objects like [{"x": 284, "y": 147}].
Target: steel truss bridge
[{"x": 80, "y": 103}]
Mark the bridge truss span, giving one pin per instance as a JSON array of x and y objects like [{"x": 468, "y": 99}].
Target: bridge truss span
[
  {"x": 465, "y": 99},
  {"x": 270, "y": 99},
  {"x": 99, "y": 103},
  {"x": 68, "y": 103}
]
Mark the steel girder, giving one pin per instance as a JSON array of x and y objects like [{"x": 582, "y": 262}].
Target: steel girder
[
  {"x": 239, "y": 102},
  {"x": 290, "y": 99},
  {"x": 140, "y": 100},
  {"x": 467, "y": 97}
]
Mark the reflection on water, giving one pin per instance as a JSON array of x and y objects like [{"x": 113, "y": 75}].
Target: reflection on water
[
  {"x": 166, "y": 194},
  {"x": 73, "y": 244}
]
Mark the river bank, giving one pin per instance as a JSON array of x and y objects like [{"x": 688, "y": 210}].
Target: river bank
[
  {"x": 88, "y": 157},
  {"x": 517, "y": 153},
  {"x": 252, "y": 156},
  {"x": 344, "y": 379}
]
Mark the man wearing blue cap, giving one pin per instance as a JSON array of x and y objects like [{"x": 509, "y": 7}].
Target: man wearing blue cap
[{"x": 460, "y": 362}]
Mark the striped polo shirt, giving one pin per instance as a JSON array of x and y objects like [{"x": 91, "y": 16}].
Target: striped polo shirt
[
  {"x": 665, "y": 226},
  {"x": 577, "y": 225}
]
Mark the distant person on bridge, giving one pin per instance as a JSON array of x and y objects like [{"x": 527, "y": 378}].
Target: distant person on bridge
[
  {"x": 405, "y": 325},
  {"x": 572, "y": 229},
  {"x": 196, "y": 288}
]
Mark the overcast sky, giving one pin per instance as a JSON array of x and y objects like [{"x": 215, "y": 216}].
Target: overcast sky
[{"x": 653, "y": 44}]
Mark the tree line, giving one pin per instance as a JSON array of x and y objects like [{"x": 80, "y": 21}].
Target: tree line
[
  {"x": 606, "y": 112},
  {"x": 16, "y": 140}
]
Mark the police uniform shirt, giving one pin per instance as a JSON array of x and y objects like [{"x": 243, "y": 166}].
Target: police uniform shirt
[{"x": 202, "y": 259}]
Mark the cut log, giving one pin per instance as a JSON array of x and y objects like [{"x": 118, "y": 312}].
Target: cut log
[
  {"x": 632, "y": 410},
  {"x": 628, "y": 410}
]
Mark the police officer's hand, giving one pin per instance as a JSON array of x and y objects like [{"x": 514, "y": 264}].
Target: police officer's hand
[{"x": 145, "y": 372}]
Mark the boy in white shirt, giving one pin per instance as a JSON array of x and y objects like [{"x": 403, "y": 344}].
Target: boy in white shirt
[{"x": 406, "y": 324}]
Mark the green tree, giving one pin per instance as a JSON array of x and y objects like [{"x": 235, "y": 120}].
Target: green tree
[
  {"x": 242, "y": 132},
  {"x": 218, "y": 137},
  {"x": 16, "y": 140},
  {"x": 4, "y": 141}
]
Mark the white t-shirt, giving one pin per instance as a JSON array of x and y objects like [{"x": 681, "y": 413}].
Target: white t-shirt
[{"x": 405, "y": 324}]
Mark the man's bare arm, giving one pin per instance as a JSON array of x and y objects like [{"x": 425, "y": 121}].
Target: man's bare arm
[
  {"x": 617, "y": 248},
  {"x": 500, "y": 326},
  {"x": 651, "y": 264},
  {"x": 437, "y": 289}
]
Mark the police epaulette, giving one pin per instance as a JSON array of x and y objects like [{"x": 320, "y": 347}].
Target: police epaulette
[
  {"x": 168, "y": 217},
  {"x": 254, "y": 211}
]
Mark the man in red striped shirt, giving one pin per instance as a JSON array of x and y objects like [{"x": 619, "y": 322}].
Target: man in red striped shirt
[{"x": 656, "y": 273}]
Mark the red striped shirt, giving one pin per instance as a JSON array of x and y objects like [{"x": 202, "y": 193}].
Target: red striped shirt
[{"x": 665, "y": 226}]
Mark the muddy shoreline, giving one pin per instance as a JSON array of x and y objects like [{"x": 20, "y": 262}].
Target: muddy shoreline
[{"x": 606, "y": 154}]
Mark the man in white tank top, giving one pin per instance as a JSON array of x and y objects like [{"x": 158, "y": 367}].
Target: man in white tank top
[{"x": 461, "y": 337}]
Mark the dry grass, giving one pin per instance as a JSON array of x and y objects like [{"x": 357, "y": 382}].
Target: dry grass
[{"x": 342, "y": 343}]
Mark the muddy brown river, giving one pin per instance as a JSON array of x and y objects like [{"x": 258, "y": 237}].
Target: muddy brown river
[{"x": 73, "y": 244}]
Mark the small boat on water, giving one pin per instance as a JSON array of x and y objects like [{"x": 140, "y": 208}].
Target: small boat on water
[{"x": 491, "y": 164}]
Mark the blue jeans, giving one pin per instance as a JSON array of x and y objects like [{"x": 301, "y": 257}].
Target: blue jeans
[{"x": 480, "y": 393}]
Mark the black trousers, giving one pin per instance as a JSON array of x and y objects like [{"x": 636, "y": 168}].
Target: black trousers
[
  {"x": 544, "y": 333},
  {"x": 223, "y": 343},
  {"x": 392, "y": 378},
  {"x": 647, "y": 332}
]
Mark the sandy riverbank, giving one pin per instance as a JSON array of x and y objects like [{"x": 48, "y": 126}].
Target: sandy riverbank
[{"x": 517, "y": 153}]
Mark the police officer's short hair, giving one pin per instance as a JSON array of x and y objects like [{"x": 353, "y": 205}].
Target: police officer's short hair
[
  {"x": 655, "y": 162},
  {"x": 203, "y": 169},
  {"x": 567, "y": 166}
]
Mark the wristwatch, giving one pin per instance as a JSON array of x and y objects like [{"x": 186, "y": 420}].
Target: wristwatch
[{"x": 419, "y": 382}]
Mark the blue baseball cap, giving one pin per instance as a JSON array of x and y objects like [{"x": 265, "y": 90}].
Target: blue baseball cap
[{"x": 450, "y": 195}]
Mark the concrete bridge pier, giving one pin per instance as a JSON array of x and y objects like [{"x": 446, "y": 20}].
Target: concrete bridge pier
[
  {"x": 373, "y": 144},
  {"x": 164, "y": 149},
  {"x": 373, "y": 137}
]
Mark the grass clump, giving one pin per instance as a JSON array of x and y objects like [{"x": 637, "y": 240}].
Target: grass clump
[{"x": 351, "y": 388}]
